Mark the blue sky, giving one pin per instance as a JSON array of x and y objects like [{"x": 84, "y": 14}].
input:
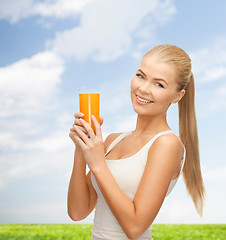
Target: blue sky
[{"x": 53, "y": 49}]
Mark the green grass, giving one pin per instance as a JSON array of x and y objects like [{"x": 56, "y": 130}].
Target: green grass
[
  {"x": 45, "y": 232},
  {"x": 83, "y": 232},
  {"x": 189, "y": 231}
]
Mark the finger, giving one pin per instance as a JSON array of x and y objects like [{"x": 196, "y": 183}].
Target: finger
[
  {"x": 80, "y": 123},
  {"x": 78, "y": 115},
  {"x": 77, "y": 122},
  {"x": 81, "y": 128},
  {"x": 97, "y": 127},
  {"x": 78, "y": 141},
  {"x": 88, "y": 128},
  {"x": 83, "y": 136},
  {"x": 73, "y": 133},
  {"x": 101, "y": 120}
]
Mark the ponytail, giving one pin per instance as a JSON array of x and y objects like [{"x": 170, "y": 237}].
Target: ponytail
[{"x": 189, "y": 136}]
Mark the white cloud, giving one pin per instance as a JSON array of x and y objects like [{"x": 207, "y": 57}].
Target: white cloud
[
  {"x": 107, "y": 28},
  {"x": 54, "y": 212},
  {"x": 211, "y": 174},
  {"x": 8, "y": 140},
  {"x": 36, "y": 213},
  {"x": 219, "y": 96},
  {"x": 181, "y": 210},
  {"x": 60, "y": 8},
  {"x": 30, "y": 148},
  {"x": 209, "y": 67},
  {"x": 211, "y": 100},
  {"x": 14, "y": 10},
  {"x": 55, "y": 141},
  {"x": 37, "y": 160},
  {"x": 29, "y": 84},
  {"x": 117, "y": 23},
  {"x": 209, "y": 62},
  {"x": 1, "y": 185},
  {"x": 175, "y": 212},
  {"x": 117, "y": 96},
  {"x": 28, "y": 90},
  {"x": 126, "y": 124}
]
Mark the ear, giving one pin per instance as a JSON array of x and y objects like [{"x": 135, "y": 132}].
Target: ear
[{"x": 179, "y": 96}]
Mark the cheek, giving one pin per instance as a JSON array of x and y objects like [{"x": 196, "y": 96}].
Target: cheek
[
  {"x": 133, "y": 84},
  {"x": 133, "y": 87},
  {"x": 159, "y": 95},
  {"x": 165, "y": 98}
]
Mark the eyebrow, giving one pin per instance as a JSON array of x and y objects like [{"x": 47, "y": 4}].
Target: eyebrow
[{"x": 158, "y": 79}]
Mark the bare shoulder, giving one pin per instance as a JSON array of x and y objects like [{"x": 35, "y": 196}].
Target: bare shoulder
[
  {"x": 168, "y": 144},
  {"x": 110, "y": 138},
  {"x": 169, "y": 140}
]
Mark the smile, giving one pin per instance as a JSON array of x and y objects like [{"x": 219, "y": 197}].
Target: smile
[{"x": 143, "y": 101}]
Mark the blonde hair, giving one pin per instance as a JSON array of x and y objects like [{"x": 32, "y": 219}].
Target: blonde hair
[{"x": 187, "y": 119}]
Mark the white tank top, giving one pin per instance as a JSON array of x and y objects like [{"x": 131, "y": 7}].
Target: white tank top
[{"x": 127, "y": 173}]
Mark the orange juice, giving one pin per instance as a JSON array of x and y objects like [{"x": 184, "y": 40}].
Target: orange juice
[{"x": 90, "y": 105}]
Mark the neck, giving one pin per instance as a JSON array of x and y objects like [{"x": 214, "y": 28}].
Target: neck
[{"x": 147, "y": 124}]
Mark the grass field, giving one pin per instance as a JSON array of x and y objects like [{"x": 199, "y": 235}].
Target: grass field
[{"x": 83, "y": 232}]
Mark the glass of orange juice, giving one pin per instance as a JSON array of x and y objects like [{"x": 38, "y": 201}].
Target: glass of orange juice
[{"x": 90, "y": 105}]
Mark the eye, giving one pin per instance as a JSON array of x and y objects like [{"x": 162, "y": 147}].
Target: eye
[
  {"x": 140, "y": 76},
  {"x": 160, "y": 85}
]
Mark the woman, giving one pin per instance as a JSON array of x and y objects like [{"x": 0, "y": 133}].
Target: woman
[{"x": 131, "y": 173}]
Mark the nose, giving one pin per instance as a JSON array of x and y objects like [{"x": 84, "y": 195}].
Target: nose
[{"x": 145, "y": 89}]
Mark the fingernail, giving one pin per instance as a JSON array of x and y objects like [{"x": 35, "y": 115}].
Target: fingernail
[{"x": 82, "y": 114}]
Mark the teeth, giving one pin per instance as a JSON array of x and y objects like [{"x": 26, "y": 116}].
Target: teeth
[{"x": 142, "y": 100}]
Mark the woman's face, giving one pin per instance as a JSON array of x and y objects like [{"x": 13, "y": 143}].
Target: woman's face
[{"x": 155, "y": 82}]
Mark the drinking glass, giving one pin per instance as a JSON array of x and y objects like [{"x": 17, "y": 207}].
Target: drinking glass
[{"x": 90, "y": 105}]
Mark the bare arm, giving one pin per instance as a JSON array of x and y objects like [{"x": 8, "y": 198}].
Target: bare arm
[{"x": 82, "y": 197}]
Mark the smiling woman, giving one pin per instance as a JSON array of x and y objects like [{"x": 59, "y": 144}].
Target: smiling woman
[{"x": 142, "y": 166}]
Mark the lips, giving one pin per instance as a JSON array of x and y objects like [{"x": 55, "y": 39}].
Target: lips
[{"x": 142, "y": 98}]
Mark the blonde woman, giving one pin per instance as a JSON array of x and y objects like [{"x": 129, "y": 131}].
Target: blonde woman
[{"x": 131, "y": 173}]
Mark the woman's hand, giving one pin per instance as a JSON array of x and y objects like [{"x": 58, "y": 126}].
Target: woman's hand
[
  {"x": 78, "y": 117},
  {"x": 91, "y": 143}
]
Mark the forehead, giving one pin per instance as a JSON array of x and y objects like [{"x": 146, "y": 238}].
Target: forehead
[{"x": 154, "y": 68}]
